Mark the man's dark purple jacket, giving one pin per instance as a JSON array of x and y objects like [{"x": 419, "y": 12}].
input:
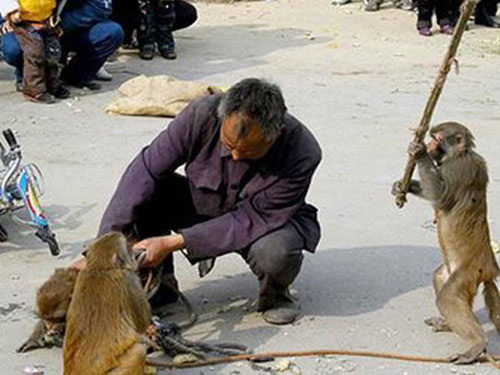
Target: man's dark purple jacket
[{"x": 245, "y": 199}]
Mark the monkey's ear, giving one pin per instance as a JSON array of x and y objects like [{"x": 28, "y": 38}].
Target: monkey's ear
[{"x": 460, "y": 141}]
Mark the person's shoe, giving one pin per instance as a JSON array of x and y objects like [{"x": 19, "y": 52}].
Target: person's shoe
[
  {"x": 283, "y": 312},
  {"x": 407, "y": 5},
  {"x": 103, "y": 75},
  {"x": 447, "y": 29},
  {"x": 487, "y": 22},
  {"x": 19, "y": 86},
  {"x": 91, "y": 85},
  {"x": 45, "y": 98},
  {"x": 61, "y": 92},
  {"x": 147, "y": 52},
  {"x": 425, "y": 31},
  {"x": 168, "y": 53},
  {"x": 372, "y": 6}
]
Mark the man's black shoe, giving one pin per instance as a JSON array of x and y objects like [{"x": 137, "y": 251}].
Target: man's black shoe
[
  {"x": 487, "y": 21},
  {"x": 168, "y": 53},
  {"x": 283, "y": 312},
  {"x": 61, "y": 92},
  {"x": 19, "y": 86},
  {"x": 147, "y": 52},
  {"x": 91, "y": 85}
]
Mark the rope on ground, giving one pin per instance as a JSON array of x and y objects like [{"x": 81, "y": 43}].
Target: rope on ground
[{"x": 259, "y": 357}]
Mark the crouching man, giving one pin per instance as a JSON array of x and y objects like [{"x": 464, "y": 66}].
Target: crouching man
[{"x": 248, "y": 165}]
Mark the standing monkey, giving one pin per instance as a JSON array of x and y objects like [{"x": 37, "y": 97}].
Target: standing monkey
[
  {"x": 453, "y": 177},
  {"x": 108, "y": 313}
]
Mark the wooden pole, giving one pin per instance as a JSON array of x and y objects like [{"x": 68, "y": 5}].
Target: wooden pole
[{"x": 423, "y": 127}]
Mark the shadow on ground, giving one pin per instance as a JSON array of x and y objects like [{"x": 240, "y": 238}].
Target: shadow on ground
[
  {"x": 22, "y": 237},
  {"x": 335, "y": 282}
]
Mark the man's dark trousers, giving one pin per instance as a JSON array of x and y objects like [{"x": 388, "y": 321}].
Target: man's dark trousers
[{"x": 275, "y": 258}]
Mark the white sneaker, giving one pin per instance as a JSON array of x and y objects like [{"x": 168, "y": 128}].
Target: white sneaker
[{"x": 103, "y": 75}]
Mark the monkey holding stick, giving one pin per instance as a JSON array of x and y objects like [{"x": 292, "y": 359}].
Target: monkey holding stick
[
  {"x": 108, "y": 314},
  {"x": 453, "y": 177}
]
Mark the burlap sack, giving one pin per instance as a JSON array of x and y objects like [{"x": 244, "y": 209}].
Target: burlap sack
[{"x": 157, "y": 96}]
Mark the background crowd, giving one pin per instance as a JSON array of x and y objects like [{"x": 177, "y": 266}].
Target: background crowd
[
  {"x": 446, "y": 12},
  {"x": 41, "y": 36}
]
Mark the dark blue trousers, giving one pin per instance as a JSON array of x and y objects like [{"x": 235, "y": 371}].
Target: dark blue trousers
[{"x": 93, "y": 43}]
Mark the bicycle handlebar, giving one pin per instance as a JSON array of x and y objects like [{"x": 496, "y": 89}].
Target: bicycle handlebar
[{"x": 10, "y": 138}]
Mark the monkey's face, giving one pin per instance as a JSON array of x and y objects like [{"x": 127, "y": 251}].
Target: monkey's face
[{"x": 124, "y": 258}]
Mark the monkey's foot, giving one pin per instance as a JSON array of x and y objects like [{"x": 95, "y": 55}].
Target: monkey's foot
[
  {"x": 470, "y": 356},
  {"x": 438, "y": 324}
]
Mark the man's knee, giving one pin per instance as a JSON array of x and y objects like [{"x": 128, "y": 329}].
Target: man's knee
[
  {"x": 278, "y": 254},
  {"x": 11, "y": 50},
  {"x": 108, "y": 34}
]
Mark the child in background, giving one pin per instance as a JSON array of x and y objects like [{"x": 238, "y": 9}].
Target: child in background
[
  {"x": 156, "y": 21},
  {"x": 38, "y": 34}
]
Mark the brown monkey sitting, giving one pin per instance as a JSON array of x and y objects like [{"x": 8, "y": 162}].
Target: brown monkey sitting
[
  {"x": 52, "y": 301},
  {"x": 454, "y": 179},
  {"x": 108, "y": 313}
]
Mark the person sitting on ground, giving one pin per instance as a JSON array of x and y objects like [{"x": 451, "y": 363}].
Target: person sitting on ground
[
  {"x": 87, "y": 32},
  {"x": 249, "y": 165},
  {"x": 35, "y": 26},
  {"x": 442, "y": 8}
]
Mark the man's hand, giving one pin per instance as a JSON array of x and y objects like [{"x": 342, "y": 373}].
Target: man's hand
[
  {"x": 11, "y": 19},
  {"x": 157, "y": 248}
]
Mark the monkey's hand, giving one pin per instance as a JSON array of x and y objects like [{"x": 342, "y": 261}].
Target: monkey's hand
[
  {"x": 36, "y": 340},
  {"x": 415, "y": 188},
  {"x": 396, "y": 188},
  {"x": 417, "y": 150}
]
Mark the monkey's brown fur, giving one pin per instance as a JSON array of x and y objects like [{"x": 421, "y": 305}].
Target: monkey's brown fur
[
  {"x": 454, "y": 178},
  {"x": 108, "y": 314},
  {"x": 52, "y": 301}
]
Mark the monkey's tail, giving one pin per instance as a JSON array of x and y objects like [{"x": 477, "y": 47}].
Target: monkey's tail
[{"x": 492, "y": 301}]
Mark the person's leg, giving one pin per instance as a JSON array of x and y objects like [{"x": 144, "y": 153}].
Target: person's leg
[
  {"x": 425, "y": 11},
  {"x": 92, "y": 46},
  {"x": 146, "y": 29},
  {"x": 52, "y": 58},
  {"x": 165, "y": 14},
  {"x": 125, "y": 13},
  {"x": 443, "y": 14},
  {"x": 276, "y": 259},
  {"x": 170, "y": 208},
  {"x": 32, "y": 44},
  {"x": 13, "y": 55},
  {"x": 185, "y": 15},
  {"x": 483, "y": 14}
]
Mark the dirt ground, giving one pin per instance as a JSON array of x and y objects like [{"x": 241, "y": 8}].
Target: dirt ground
[{"x": 359, "y": 81}]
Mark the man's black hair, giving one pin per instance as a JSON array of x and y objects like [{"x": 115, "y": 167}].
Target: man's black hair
[{"x": 258, "y": 99}]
